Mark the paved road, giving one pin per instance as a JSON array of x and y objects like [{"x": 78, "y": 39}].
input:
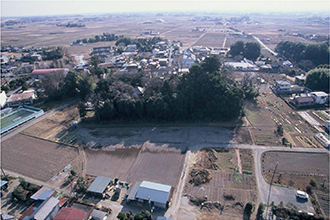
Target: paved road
[
  {"x": 20, "y": 128},
  {"x": 263, "y": 45}
]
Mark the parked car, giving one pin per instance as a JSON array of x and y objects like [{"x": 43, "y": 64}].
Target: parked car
[
  {"x": 115, "y": 196},
  {"x": 301, "y": 194}
]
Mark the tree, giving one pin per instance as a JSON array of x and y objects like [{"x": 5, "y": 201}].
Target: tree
[
  {"x": 237, "y": 48},
  {"x": 82, "y": 109},
  {"x": 211, "y": 64},
  {"x": 251, "y": 50},
  {"x": 122, "y": 216},
  {"x": 248, "y": 210},
  {"x": 260, "y": 211},
  {"x": 318, "y": 79}
]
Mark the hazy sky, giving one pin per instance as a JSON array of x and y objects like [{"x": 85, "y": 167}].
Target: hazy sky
[{"x": 47, "y": 7}]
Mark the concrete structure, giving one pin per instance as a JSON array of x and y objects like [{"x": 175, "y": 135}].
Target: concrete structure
[
  {"x": 3, "y": 99},
  {"x": 320, "y": 97},
  {"x": 158, "y": 194},
  {"x": 21, "y": 99},
  {"x": 99, "y": 185}
]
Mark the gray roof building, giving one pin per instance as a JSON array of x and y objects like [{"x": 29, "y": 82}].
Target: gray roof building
[{"x": 99, "y": 185}]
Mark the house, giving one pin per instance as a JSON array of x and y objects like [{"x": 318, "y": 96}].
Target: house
[
  {"x": 4, "y": 60},
  {"x": 327, "y": 125},
  {"x": 6, "y": 217},
  {"x": 303, "y": 100},
  {"x": 16, "y": 100},
  {"x": 242, "y": 66},
  {"x": 38, "y": 73},
  {"x": 3, "y": 184},
  {"x": 282, "y": 86},
  {"x": 99, "y": 185},
  {"x": 69, "y": 213},
  {"x": 3, "y": 99},
  {"x": 188, "y": 61},
  {"x": 300, "y": 80},
  {"x": 46, "y": 210},
  {"x": 98, "y": 215},
  {"x": 139, "y": 90},
  {"x": 163, "y": 61},
  {"x": 158, "y": 194},
  {"x": 320, "y": 97}
]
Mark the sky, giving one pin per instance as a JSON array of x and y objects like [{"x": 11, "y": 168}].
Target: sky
[{"x": 14, "y": 8}]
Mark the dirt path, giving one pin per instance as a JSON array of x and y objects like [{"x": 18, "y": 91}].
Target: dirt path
[
  {"x": 176, "y": 199},
  {"x": 239, "y": 161}
]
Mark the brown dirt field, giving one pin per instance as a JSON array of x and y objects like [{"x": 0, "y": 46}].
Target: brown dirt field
[
  {"x": 211, "y": 40},
  {"x": 51, "y": 127},
  {"x": 297, "y": 169},
  {"x": 227, "y": 186},
  {"x": 36, "y": 158},
  {"x": 113, "y": 163},
  {"x": 158, "y": 164}
]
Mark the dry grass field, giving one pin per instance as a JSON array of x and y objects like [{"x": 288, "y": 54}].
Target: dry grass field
[
  {"x": 34, "y": 157},
  {"x": 297, "y": 169},
  {"x": 227, "y": 185}
]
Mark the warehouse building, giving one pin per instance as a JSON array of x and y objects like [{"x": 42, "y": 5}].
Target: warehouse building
[{"x": 99, "y": 185}]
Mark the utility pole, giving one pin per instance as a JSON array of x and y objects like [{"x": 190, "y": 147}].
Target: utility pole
[{"x": 270, "y": 187}]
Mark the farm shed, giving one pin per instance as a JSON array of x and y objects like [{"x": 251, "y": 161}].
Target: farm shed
[
  {"x": 47, "y": 210},
  {"x": 131, "y": 192},
  {"x": 42, "y": 194},
  {"x": 99, "y": 185},
  {"x": 157, "y": 193},
  {"x": 302, "y": 101},
  {"x": 69, "y": 213}
]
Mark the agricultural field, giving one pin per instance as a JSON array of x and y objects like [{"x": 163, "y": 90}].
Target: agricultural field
[
  {"x": 297, "y": 170},
  {"x": 212, "y": 40},
  {"x": 56, "y": 127},
  {"x": 217, "y": 180},
  {"x": 269, "y": 110},
  {"x": 36, "y": 158}
]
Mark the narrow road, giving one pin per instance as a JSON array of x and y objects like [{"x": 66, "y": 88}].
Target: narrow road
[{"x": 264, "y": 46}]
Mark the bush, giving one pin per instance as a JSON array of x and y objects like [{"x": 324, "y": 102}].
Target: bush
[
  {"x": 312, "y": 182},
  {"x": 309, "y": 190},
  {"x": 122, "y": 216}
]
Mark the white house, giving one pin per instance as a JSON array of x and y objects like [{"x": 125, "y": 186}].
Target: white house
[
  {"x": 320, "y": 97},
  {"x": 3, "y": 99},
  {"x": 131, "y": 48},
  {"x": 283, "y": 86}
]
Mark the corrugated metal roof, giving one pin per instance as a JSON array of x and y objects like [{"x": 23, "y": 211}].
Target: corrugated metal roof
[
  {"x": 154, "y": 191},
  {"x": 45, "y": 209},
  {"x": 3, "y": 182},
  {"x": 133, "y": 190},
  {"x": 98, "y": 215},
  {"x": 99, "y": 184},
  {"x": 46, "y": 194},
  {"x": 39, "y": 193},
  {"x": 69, "y": 213}
]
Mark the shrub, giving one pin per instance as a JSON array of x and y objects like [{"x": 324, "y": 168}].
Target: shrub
[
  {"x": 260, "y": 212},
  {"x": 312, "y": 182}
]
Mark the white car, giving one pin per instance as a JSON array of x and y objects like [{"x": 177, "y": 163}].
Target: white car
[{"x": 301, "y": 194}]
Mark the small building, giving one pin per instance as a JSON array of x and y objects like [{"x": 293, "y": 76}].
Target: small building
[
  {"x": 320, "y": 97},
  {"x": 7, "y": 217},
  {"x": 303, "y": 101},
  {"x": 3, "y": 184},
  {"x": 131, "y": 48},
  {"x": 98, "y": 215},
  {"x": 21, "y": 99},
  {"x": 242, "y": 66},
  {"x": 3, "y": 99},
  {"x": 287, "y": 63},
  {"x": 99, "y": 185},
  {"x": 300, "y": 80},
  {"x": 158, "y": 194},
  {"x": 188, "y": 61},
  {"x": 69, "y": 213}
]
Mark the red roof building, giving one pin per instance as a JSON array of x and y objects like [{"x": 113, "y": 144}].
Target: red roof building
[{"x": 68, "y": 213}]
